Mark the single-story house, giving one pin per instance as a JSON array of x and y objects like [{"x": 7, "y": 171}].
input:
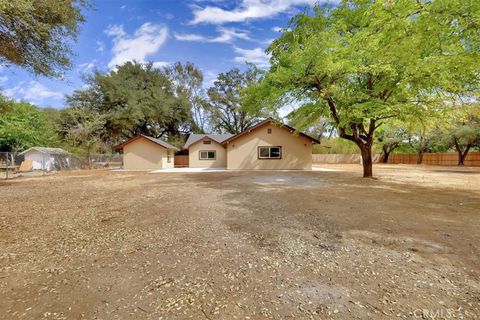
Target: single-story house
[
  {"x": 144, "y": 152},
  {"x": 207, "y": 150},
  {"x": 267, "y": 145},
  {"x": 47, "y": 158}
]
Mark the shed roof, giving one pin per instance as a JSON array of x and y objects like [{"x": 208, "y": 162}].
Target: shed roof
[
  {"x": 194, "y": 137},
  {"x": 154, "y": 140},
  {"x": 46, "y": 150}
]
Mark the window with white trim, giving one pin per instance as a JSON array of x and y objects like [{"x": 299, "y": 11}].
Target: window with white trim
[
  {"x": 270, "y": 152},
  {"x": 207, "y": 155}
]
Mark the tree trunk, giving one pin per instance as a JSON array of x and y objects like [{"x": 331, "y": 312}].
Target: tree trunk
[
  {"x": 420, "y": 157},
  {"x": 386, "y": 154},
  {"x": 367, "y": 160},
  {"x": 462, "y": 155},
  {"x": 89, "y": 157}
]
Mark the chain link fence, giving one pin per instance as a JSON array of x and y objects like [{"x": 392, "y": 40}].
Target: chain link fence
[{"x": 15, "y": 164}]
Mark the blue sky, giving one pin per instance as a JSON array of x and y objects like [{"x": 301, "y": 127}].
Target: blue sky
[{"x": 214, "y": 35}]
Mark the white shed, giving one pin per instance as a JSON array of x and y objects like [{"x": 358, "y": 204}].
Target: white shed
[{"x": 47, "y": 158}]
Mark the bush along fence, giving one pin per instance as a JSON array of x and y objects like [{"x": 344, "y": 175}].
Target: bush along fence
[{"x": 13, "y": 164}]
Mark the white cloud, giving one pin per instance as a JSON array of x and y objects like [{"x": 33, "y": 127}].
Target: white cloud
[
  {"x": 248, "y": 9},
  {"x": 160, "y": 64},
  {"x": 87, "y": 66},
  {"x": 115, "y": 31},
  {"x": 225, "y": 35},
  {"x": 100, "y": 46},
  {"x": 32, "y": 91},
  {"x": 209, "y": 77},
  {"x": 189, "y": 37},
  {"x": 146, "y": 41},
  {"x": 256, "y": 56}
]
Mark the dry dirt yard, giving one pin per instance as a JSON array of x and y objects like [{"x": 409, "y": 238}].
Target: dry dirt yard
[{"x": 242, "y": 245}]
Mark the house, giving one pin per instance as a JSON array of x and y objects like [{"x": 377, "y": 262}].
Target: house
[
  {"x": 47, "y": 158},
  {"x": 207, "y": 150},
  {"x": 269, "y": 145},
  {"x": 144, "y": 152}
]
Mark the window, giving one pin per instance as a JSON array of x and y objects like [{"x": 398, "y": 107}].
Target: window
[
  {"x": 269, "y": 130},
  {"x": 169, "y": 158},
  {"x": 269, "y": 152},
  {"x": 208, "y": 155},
  {"x": 207, "y": 142}
]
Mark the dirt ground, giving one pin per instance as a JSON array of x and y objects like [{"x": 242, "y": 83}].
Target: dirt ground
[{"x": 242, "y": 245}]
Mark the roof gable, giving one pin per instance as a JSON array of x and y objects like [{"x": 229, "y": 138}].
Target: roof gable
[
  {"x": 273, "y": 122},
  {"x": 159, "y": 142},
  {"x": 194, "y": 138}
]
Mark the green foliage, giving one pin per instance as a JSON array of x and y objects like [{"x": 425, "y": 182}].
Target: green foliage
[
  {"x": 423, "y": 130},
  {"x": 365, "y": 62},
  {"x": 463, "y": 131},
  {"x": 335, "y": 146},
  {"x": 82, "y": 127},
  {"x": 390, "y": 136},
  {"x": 136, "y": 99},
  {"x": 23, "y": 125},
  {"x": 225, "y": 102},
  {"x": 36, "y": 35},
  {"x": 188, "y": 82}
]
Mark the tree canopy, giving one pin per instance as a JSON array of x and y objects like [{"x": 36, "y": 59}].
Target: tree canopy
[
  {"x": 463, "y": 132},
  {"x": 135, "y": 99},
  {"x": 36, "y": 35},
  {"x": 225, "y": 108},
  {"x": 365, "y": 62},
  {"x": 23, "y": 125}
]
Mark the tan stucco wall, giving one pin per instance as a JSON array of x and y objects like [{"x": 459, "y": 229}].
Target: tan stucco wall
[
  {"x": 165, "y": 163},
  {"x": 242, "y": 153},
  {"x": 144, "y": 154},
  {"x": 194, "y": 156}
]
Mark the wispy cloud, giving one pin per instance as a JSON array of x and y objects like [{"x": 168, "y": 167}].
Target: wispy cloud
[
  {"x": 225, "y": 35},
  {"x": 209, "y": 77},
  {"x": 145, "y": 41},
  {"x": 160, "y": 64},
  {"x": 256, "y": 56},
  {"x": 32, "y": 91},
  {"x": 248, "y": 9},
  {"x": 87, "y": 66},
  {"x": 100, "y": 46}
]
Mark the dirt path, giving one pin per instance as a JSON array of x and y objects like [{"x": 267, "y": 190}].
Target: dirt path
[{"x": 278, "y": 245}]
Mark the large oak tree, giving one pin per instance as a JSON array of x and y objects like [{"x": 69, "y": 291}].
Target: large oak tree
[
  {"x": 36, "y": 35},
  {"x": 227, "y": 113},
  {"x": 135, "y": 99}
]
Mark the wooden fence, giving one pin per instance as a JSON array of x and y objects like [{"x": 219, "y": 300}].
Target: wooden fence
[
  {"x": 180, "y": 161},
  {"x": 339, "y": 158},
  {"x": 436, "y": 159}
]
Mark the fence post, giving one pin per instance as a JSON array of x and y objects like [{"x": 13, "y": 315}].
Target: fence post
[{"x": 6, "y": 166}]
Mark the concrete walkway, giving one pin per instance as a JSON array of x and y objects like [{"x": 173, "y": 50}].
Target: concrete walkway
[{"x": 187, "y": 170}]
